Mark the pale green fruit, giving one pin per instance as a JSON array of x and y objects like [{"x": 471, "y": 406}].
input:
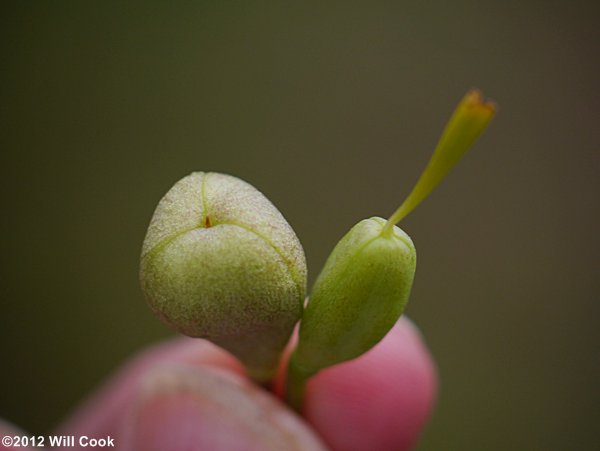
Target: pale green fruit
[
  {"x": 220, "y": 262},
  {"x": 367, "y": 279},
  {"x": 359, "y": 295}
]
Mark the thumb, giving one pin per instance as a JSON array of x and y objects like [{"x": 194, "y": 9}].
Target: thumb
[{"x": 202, "y": 408}]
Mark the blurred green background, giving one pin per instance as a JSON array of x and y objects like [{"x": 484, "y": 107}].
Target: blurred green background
[{"x": 332, "y": 110}]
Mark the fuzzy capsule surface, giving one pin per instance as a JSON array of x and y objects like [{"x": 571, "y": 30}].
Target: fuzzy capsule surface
[
  {"x": 220, "y": 262},
  {"x": 359, "y": 295}
]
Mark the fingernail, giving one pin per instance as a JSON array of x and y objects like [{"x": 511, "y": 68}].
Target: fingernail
[{"x": 193, "y": 409}]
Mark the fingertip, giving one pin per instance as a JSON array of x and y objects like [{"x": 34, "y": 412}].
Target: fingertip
[
  {"x": 103, "y": 411},
  {"x": 202, "y": 408},
  {"x": 380, "y": 400}
]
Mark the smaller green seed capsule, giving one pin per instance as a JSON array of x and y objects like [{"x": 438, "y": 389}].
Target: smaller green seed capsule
[
  {"x": 357, "y": 298},
  {"x": 366, "y": 281},
  {"x": 220, "y": 262},
  {"x": 371, "y": 275}
]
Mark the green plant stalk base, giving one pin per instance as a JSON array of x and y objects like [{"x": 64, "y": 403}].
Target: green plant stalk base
[{"x": 296, "y": 384}]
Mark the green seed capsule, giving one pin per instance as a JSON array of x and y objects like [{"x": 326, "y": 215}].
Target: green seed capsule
[
  {"x": 366, "y": 281},
  {"x": 220, "y": 262},
  {"x": 370, "y": 274}
]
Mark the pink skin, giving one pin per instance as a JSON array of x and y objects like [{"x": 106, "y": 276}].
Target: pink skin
[
  {"x": 10, "y": 430},
  {"x": 379, "y": 401},
  {"x": 188, "y": 395}
]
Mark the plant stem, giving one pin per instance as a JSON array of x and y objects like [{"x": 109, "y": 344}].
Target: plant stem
[{"x": 296, "y": 384}]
